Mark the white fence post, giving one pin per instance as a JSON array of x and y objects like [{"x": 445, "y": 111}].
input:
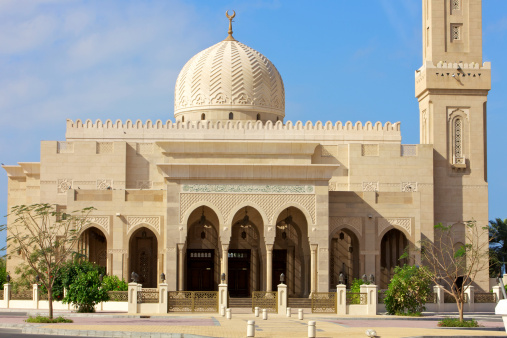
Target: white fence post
[
  {"x": 35, "y": 296},
  {"x": 222, "y": 297},
  {"x": 371, "y": 298},
  {"x": 7, "y": 294},
  {"x": 132, "y": 297},
  {"x": 469, "y": 290},
  {"x": 282, "y": 299},
  {"x": 497, "y": 292},
  {"x": 439, "y": 290},
  {"x": 341, "y": 299},
  {"x": 163, "y": 302}
]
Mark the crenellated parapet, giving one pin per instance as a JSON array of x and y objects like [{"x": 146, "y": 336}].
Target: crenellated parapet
[{"x": 159, "y": 130}]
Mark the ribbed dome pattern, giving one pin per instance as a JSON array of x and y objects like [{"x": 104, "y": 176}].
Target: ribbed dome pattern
[{"x": 229, "y": 76}]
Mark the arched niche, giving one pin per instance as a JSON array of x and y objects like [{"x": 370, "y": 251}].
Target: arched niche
[
  {"x": 246, "y": 252},
  {"x": 202, "y": 258},
  {"x": 143, "y": 254},
  {"x": 393, "y": 245},
  {"x": 291, "y": 252},
  {"x": 92, "y": 244},
  {"x": 343, "y": 257}
]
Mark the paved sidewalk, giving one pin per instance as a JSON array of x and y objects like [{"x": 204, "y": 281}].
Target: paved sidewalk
[{"x": 213, "y": 325}]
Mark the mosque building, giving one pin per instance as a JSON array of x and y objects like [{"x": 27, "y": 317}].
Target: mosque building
[{"x": 231, "y": 186}]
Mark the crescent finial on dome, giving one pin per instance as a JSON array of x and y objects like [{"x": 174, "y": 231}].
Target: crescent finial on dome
[{"x": 230, "y": 17}]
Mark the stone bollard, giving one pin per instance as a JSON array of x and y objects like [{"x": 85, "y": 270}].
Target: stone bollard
[
  {"x": 229, "y": 315},
  {"x": 222, "y": 311},
  {"x": 250, "y": 328},
  {"x": 300, "y": 314},
  {"x": 312, "y": 329},
  {"x": 288, "y": 312},
  {"x": 256, "y": 311},
  {"x": 264, "y": 314}
]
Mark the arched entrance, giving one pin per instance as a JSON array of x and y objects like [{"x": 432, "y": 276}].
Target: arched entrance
[
  {"x": 93, "y": 245},
  {"x": 245, "y": 252},
  {"x": 344, "y": 257},
  {"x": 393, "y": 245},
  {"x": 291, "y": 253},
  {"x": 203, "y": 254},
  {"x": 144, "y": 256}
]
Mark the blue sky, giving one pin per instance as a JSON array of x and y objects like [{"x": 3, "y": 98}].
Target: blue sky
[{"x": 118, "y": 59}]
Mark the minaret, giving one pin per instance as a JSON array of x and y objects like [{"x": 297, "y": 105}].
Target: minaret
[{"x": 452, "y": 88}]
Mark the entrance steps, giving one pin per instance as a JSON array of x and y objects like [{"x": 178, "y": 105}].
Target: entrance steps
[
  {"x": 240, "y": 302},
  {"x": 300, "y": 303}
]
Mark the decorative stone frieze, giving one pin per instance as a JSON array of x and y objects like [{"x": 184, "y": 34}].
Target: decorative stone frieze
[
  {"x": 403, "y": 223},
  {"x": 117, "y": 251},
  {"x": 354, "y": 222},
  {"x": 409, "y": 186},
  {"x": 245, "y": 188},
  {"x": 370, "y": 186},
  {"x": 102, "y": 221},
  {"x": 63, "y": 185},
  {"x": 144, "y": 184},
  {"x": 104, "y": 184},
  {"x": 132, "y": 221},
  {"x": 269, "y": 203}
]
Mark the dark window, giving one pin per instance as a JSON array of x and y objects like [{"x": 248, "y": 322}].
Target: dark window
[{"x": 231, "y": 116}]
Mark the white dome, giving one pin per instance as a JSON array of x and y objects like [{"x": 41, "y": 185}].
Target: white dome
[{"x": 229, "y": 77}]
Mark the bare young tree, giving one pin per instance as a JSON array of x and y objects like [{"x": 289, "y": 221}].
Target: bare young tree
[
  {"x": 453, "y": 264},
  {"x": 45, "y": 238}
]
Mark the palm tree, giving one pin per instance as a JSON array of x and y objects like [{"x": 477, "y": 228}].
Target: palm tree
[{"x": 498, "y": 243}]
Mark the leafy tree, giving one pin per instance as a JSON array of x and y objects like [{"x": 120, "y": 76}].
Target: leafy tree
[
  {"x": 408, "y": 290},
  {"x": 3, "y": 273},
  {"x": 113, "y": 283},
  {"x": 45, "y": 238},
  {"x": 498, "y": 243},
  {"x": 454, "y": 265},
  {"x": 85, "y": 291}
]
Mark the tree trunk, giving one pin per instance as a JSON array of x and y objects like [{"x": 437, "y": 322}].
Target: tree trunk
[
  {"x": 50, "y": 299},
  {"x": 460, "y": 310}
]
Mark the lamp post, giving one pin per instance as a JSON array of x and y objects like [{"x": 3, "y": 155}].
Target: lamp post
[
  {"x": 341, "y": 278},
  {"x": 364, "y": 278},
  {"x": 223, "y": 277},
  {"x": 162, "y": 277},
  {"x": 8, "y": 278},
  {"x": 282, "y": 278},
  {"x": 372, "y": 279}
]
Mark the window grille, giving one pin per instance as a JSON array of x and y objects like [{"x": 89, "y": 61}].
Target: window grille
[
  {"x": 456, "y": 32},
  {"x": 458, "y": 141},
  {"x": 456, "y": 5}
]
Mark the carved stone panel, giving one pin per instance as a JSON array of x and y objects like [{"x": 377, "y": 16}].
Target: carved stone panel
[
  {"x": 400, "y": 223},
  {"x": 269, "y": 203},
  {"x": 102, "y": 221},
  {"x": 354, "y": 222},
  {"x": 132, "y": 221}
]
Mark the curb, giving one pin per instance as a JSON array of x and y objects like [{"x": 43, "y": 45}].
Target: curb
[{"x": 93, "y": 333}]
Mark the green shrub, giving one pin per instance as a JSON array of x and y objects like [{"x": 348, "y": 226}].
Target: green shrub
[
  {"x": 408, "y": 290},
  {"x": 3, "y": 273},
  {"x": 43, "y": 319},
  {"x": 86, "y": 291},
  {"x": 356, "y": 288},
  {"x": 455, "y": 322},
  {"x": 113, "y": 283}
]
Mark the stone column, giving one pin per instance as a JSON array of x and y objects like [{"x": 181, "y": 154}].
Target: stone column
[
  {"x": 35, "y": 296},
  {"x": 371, "y": 300},
  {"x": 290, "y": 270},
  {"x": 313, "y": 268},
  {"x": 163, "y": 302},
  {"x": 341, "y": 299},
  {"x": 132, "y": 298},
  {"x": 225, "y": 261},
  {"x": 254, "y": 262},
  {"x": 469, "y": 291},
  {"x": 180, "y": 266},
  {"x": 282, "y": 299},
  {"x": 222, "y": 296},
  {"x": 269, "y": 267}
]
